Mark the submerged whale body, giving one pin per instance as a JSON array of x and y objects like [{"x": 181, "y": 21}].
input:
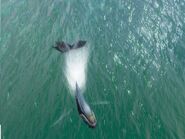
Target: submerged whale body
[
  {"x": 84, "y": 110},
  {"x": 65, "y": 47}
]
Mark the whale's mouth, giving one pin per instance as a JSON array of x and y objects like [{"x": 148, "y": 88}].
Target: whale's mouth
[{"x": 90, "y": 120}]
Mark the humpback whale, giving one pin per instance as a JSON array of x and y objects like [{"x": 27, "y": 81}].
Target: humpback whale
[
  {"x": 84, "y": 110},
  {"x": 65, "y": 47}
]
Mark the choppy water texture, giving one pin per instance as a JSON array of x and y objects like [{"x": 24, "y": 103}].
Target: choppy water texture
[{"x": 136, "y": 65}]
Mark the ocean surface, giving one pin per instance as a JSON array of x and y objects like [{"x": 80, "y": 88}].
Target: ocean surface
[{"x": 135, "y": 74}]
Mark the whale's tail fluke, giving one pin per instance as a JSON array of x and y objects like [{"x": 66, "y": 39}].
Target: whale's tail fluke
[
  {"x": 79, "y": 44},
  {"x": 65, "y": 47}
]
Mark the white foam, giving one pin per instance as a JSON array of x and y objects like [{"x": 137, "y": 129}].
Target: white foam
[
  {"x": 75, "y": 68},
  {"x": 0, "y": 131}
]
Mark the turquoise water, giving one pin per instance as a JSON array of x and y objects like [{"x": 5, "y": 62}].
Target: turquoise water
[{"x": 136, "y": 69}]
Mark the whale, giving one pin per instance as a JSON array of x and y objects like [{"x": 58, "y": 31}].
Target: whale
[
  {"x": 65, "y": 47},
  {"x": 84, "y": 109}
]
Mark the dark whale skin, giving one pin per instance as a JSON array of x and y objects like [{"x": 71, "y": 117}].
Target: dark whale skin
[
  {"x": 84, "y": 110},
  {"x": 65, "y": 47}
]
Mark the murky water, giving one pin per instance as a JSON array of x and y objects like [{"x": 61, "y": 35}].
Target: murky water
[{"x": 135, "y": 81}]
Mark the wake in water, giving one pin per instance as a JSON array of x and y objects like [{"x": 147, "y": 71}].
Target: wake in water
[
  {"x": 75, "y": 68},
  {"x": 61, "y": 118}
]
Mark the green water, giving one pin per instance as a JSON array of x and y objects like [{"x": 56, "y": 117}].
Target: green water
[{"x": 136, "y": 69}]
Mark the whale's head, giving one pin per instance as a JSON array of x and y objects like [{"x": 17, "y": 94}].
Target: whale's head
[
  {"x": 84, "y": 110},
  {"x": 89, "y": 117}
]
